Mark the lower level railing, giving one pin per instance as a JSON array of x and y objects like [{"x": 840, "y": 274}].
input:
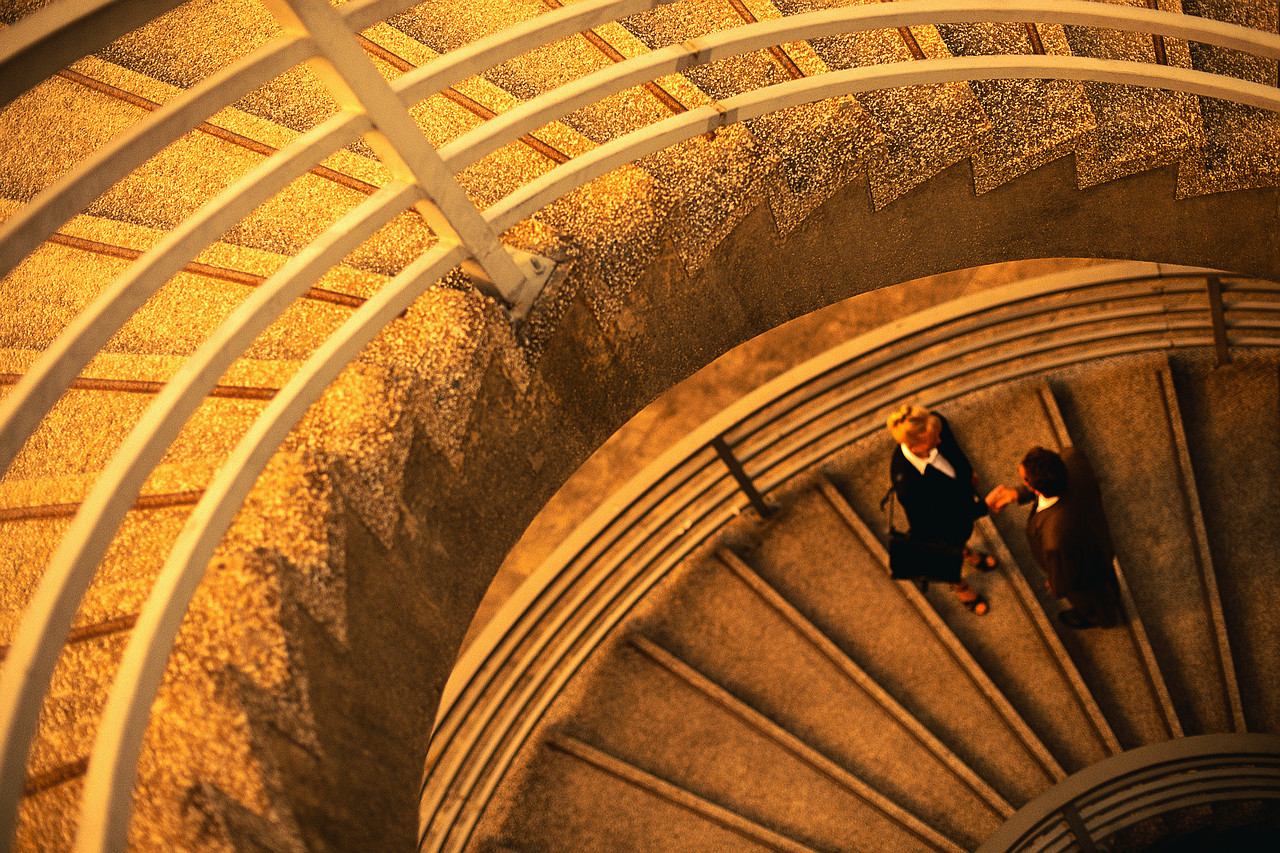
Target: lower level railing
[
  {"x": 1099, "y": 801},
  {"x": 506, "y": 680}
]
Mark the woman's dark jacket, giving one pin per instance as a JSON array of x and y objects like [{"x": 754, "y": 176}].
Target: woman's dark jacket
[{"x": 938, "y": 508}]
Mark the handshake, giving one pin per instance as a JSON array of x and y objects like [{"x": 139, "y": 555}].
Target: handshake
[{"x": 1000, "y": 497}]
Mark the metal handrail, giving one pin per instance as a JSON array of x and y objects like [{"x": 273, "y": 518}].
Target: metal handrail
[
  {"x": 559, "y": 102},
  {"x": 632, "y": 541},
  {"x": 1120, "y": 791},
  {"x": 603, "y": 159},
  {"x": 72, "y": 29}
]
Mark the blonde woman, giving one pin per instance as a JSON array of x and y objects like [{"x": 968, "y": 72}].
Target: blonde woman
[{"x": 936, "y": 486}]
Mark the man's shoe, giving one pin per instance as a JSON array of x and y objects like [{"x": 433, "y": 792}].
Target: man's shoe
[{"x": 1074, "y": 619}]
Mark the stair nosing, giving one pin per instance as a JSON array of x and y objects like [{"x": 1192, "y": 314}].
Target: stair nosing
[
  {"x": 997, "y": 700},
  {"x": 810, "y": 632},
  {"x": 793, "y": 744}
]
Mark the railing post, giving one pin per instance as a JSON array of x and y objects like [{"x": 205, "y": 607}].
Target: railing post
[
  {"x": 1076, "y": 824},
  {"x": 1218, "y": 316},
  {"x": 763, "y": 507}
]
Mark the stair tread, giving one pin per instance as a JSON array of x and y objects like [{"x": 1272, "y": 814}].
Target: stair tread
[
  {"x": 602, "y": 813},
  {"x": 1241, "y": 143},
  {"x": 97, "y": 422},
  {"x": 1117, "y": 416},
  {"x": 446, "y": 26},
  {"x": 816, "y": 562},
  {"x": 1232, "y": 416},
  {"x": 121, "y": 583},
  {"x": 1137, "y": 129},
  {"x": 836, "y": 155},
  {"x": 194, "y": 169},
  {"x": 178, "y": 318},
  {"x": 1032, "y": 121},
  {"x": 1012, "y": 653},
  {"x": 709, "y": 618},
  {"x": 656, "y": 722},
  {"x": 926, "y": 129}
]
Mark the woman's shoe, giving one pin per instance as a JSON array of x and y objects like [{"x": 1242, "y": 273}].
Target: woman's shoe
[
  {"x": 981, "y": 561},
  {"x": 975, "y": 603}
]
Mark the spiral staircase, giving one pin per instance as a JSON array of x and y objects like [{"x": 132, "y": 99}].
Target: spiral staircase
[
  {"x": 766, "y": 685},
  {"x": 459, "y": 249}
]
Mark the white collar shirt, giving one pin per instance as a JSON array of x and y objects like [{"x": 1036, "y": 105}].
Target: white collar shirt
[
  {"x": 936, "y": 459},
  {"x": 1043, "y": 503}
]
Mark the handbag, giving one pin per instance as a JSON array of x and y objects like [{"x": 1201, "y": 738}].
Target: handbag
[{"x": 916, "y": 560}]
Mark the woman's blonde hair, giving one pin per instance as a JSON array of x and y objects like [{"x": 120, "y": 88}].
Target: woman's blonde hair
[{"x": 910, "y": 423}]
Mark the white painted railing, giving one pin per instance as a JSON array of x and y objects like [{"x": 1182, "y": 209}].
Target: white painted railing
[
  {"x": 507, "y": 679},
  {"x": 1112, "y": 795},
  {"x": 64, "y": 31}
]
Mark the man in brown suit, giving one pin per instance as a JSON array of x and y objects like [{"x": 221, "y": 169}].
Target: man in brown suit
[{"x": 1068, "y": 535}]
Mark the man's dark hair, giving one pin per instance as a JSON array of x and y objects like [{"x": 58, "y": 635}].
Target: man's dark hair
[{"x": 1045, "y": 472}]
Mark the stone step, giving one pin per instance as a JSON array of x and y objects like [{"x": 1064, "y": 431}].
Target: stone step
[
  {"x": 710, "y": 176},
  {"x": 1125, "y": 419},
  {"x": 647, "y": 709},
  {"x": 995, "y": 428},
  {"x": 73, "y": 705},
  {"x": 927, "y": 128},
  {"x": 299, "y": 101},
  {"x": 1241, "y": 144},
  {"x": 872, "y": 815},
  {"x": 1231, "y": 415},
  {"x": 719, "y": 616},
  {"x": 168, "y": 188},
  {"x": 583, "y": 798},
  {"x": 35, "y": 513},
  {"x": 755, "y": 637},
  {"x": 88, "y": 252},
  {"x": 261, "y": 695},
  {"x": 817, "y": 147},
  {"x": 1137, "y": 129},
  {"x": 450, "y": 24},
  {"x": 1032, "y": 121},
  {"x": 840, "y": 583},
  {"x": 112, "y": 394}
]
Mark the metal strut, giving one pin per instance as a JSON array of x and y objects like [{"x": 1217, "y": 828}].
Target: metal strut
[{"x": 763, "y": 507}]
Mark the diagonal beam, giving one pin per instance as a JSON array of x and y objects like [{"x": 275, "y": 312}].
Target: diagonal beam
[{"x": 350, "y": 75}]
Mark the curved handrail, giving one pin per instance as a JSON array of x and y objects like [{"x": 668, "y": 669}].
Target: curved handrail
[
  {"x": 35, "y": 221},
  {"x": 1116, "y": 792},
  {"x": 603, "y": 159},
  {"x": 516, "y": 664},
  {"x": 58, "y": 34},
  {"x": 731, "y": 420},
  {"x": 33, "y": 397},
  {"x": 54, "y": 36},
  {"x": 58, "y": 366},
  {"x": 355, "y": 82},
  {"x": 495, "y": 49},
  {"x": 53, "y": 206},
  {"x": 559, "y": 102}
]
